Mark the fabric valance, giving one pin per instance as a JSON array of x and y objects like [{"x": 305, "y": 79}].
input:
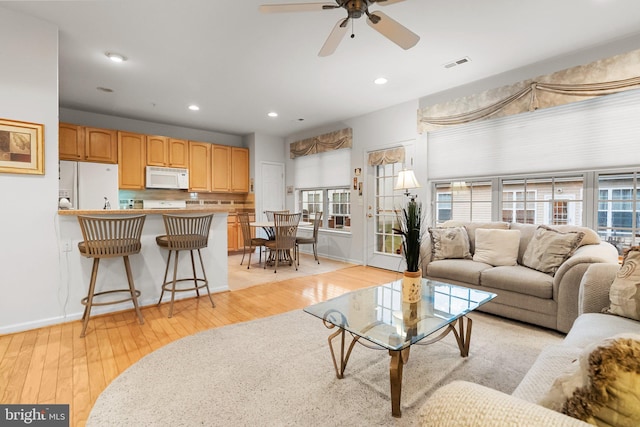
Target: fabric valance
[
  {"x": 385, "y": 157},
  {"x": 615, "y": 74},
  {"x": 320, "y": 144}
]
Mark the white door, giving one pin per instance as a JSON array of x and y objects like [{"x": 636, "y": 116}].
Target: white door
[
  {"x": 382, "y": 201},
  {"x": 272, "y": 188}
]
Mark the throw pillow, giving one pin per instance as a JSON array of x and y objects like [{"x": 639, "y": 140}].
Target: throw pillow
[
  {"x": 624, "y": 294},
  {"x": 603, "y": 385},
  {"x": 450, "y": 242},
  {"x": 611, "y": 394},
  {"x": 590, "y": 236},
  {"x": 497, "y": 247},
  {"x": 549, "y": 248}
]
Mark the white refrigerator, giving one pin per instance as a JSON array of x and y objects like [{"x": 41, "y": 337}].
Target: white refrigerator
[{"x": 89, "y": 185}]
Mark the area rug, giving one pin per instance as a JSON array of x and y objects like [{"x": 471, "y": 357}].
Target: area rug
[
  {"x": 277, "y": 371},
  {"x": 240, "y": 277}
]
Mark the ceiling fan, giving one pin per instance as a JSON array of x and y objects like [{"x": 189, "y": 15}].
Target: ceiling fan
[{"x": 377, "y": 20}]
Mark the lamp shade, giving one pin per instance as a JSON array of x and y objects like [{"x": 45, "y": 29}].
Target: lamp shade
[{"x": 406, "y": 180}]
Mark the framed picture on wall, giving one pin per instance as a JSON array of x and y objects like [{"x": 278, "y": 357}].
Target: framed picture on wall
[{"x": 21, "y": 147}]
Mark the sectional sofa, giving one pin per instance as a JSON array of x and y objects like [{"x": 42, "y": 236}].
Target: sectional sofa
[
  {"x": 534, "y": 270},
  {"x": 594, "y": 374}
]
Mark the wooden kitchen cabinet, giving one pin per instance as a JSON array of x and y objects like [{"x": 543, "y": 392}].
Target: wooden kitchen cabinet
[
  {"x": 239, "y": 170},
  {"x": 221, "y": 168},
  {"x": 199, "y": 166},
  {"x": 178, "y": 153},
  {"x": 70, "y": 142},
  {"x": 86, "y": 144},
  {"x": 131, "y": 160},
  {"x": 230, "y": 171},
  {"x": 100, "y": 145},
  {"x": 168, "y": 152},
  {"x": 157, "y": 150}
]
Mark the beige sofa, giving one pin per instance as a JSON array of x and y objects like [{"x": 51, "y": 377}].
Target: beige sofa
[
  {"x": 525, "y": 294},
  {"x": 463, "y": 404}
]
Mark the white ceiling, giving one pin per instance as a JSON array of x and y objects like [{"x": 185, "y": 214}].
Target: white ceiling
[{"x": 238, "y": 64}]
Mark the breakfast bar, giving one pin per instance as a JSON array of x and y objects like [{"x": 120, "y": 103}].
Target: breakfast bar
[{"x": 147, "y": 267}]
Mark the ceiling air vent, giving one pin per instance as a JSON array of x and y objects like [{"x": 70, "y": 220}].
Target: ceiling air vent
[{"x": 460, "y": 61}]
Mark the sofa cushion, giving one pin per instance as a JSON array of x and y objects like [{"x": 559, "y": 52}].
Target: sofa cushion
[
  {"x": 519, "y": 279},
  {"x": 472, "y": 227},
  {"x": 497, "y": 247},
  {"x": 449, "y": 243},
  {"x": 549, "y": 248},
  {"x": 592, "y": 327},
  {"x": 590, "y": 236},
  {"x": 624, "y": 294},
  {"x": 462, "y": 270}
]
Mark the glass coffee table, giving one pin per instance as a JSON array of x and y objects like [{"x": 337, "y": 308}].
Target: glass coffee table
[{"x": 379, "y": 315}]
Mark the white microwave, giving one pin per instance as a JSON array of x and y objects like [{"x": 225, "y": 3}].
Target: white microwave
[{"x": 173, "y": 178}]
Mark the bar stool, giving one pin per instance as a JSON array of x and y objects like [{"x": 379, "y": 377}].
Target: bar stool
[
  {"x": 109, "y": 237},
  {"x": 185, "y": 233}
]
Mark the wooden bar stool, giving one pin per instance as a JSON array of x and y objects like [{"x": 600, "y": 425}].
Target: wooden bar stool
[
  {"x": 185, "y": 233},
  {"x": 109, "y": 237}
]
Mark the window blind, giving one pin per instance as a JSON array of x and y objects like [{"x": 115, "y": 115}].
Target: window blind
[
  {"x": 322, "y": 170},
  {"x": 598, "y": 133}
]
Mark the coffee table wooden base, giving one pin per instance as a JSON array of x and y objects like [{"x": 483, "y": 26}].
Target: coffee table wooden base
[{"x": 399, "y": 358}]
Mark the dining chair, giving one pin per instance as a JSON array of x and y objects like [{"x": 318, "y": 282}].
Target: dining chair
[
  {"x": 286, "y": 227},
  {"x": 310, "y": 240},
  {"x": 271, "y": 234},
  {"x": 248, "y": 240}
]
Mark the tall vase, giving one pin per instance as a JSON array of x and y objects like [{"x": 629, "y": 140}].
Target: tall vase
[{"x": 412, "y": 286}]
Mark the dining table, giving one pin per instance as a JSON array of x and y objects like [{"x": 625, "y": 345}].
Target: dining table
[{"x": 268, "y": 227}]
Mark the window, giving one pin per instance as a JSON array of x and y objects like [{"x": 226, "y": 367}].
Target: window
[
  {"x": 387, "y": 201},
  {"x": 547, "y": 200},
  {"x": 618, "y": 209},
  {"x": 463, "y": 201},
  {"x": 335, "y": 201}
]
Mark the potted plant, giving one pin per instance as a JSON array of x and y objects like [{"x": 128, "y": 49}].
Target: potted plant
[{"x": 410, "y": 228}]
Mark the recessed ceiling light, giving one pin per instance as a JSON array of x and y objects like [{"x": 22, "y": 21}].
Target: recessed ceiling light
[
  {"x": 115, "y": 57},
  {"x": 194, "y": 107},
  {"x": 380, "y": 81},
  {"x": 272, "y": 114}
]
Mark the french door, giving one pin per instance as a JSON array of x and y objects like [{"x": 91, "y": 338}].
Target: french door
[{"x": 383, "y": 246}]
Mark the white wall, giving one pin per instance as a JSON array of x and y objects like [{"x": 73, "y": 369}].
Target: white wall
[
  {"x": 29, "y": 264},
  {"x": 373, "y": 131}
]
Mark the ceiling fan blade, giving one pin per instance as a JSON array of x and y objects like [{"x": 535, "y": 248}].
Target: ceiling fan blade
[
  {"x": 296, "y": 7},
  {"x": 386, "y": 2},
  {"x": 334, "y": 39},
  {"x": 393, "y": 30}
]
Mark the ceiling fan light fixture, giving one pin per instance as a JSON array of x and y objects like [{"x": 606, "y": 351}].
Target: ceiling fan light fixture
[{"x": 116, "y": 57}]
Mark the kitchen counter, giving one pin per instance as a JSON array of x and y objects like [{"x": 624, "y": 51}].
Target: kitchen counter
[{"x": 189, "y": 210}]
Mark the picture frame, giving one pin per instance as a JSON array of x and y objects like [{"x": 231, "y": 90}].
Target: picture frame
[{"x": 21, "y": 147}]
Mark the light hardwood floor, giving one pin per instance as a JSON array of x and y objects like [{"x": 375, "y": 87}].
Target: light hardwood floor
[{"x": 54, "y": 365}]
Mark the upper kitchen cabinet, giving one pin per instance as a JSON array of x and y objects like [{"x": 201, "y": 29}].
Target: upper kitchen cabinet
[
  {"x": 157, "y": 150},
  {"x": 239, "y": 170},
  {"x": 131, "y": 160},
  {"x": 87, "y": 144},
  {"x": 199, "y": 166},
  {"x": 178, "y": 153},
  {"x": 221, "y": 168},
  {"x": 230, "y": 169},
  {"x": 169, "y": 152}
]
